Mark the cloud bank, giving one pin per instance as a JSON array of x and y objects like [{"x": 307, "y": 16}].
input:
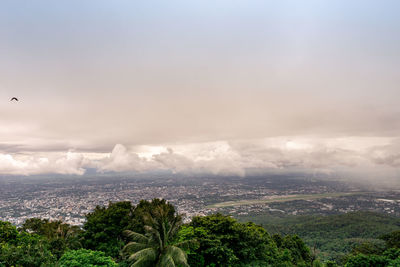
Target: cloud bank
[
  {"x": 69, "y": 163},
  {"x": 219, "y": 158}
]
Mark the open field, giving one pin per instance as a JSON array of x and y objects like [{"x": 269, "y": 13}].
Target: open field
[{"x": 284, "y": 198}]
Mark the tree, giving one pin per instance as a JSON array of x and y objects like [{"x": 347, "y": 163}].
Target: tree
[
  {"x": 103, "y": 229},
  {"x": 392, "y": 239},
  {"x": 157, "y": 247},
  {"x": 26, "y": 250},
  {"x": 37, "y": 226},
  {"x": 61, "y": 236},
  {"x": 225, "y": 242},
  {"x": 392, "y": 253},
  {"x": 299, "y": 251},
  {"x": 104, "y": 226},
  {"x": 361, "y": 260},
  {"x": 368, "y": 248},
  {"x": 84, "y": 257},
  {"x": 8, "y": 232},
  {"x": 148, "y": 208}
]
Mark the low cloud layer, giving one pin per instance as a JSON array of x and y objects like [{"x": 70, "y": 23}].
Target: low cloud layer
[
  {"x": 69, "y": 163},
  {"x": 218, "y": 158}
]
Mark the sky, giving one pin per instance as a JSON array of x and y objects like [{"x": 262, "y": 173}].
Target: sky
[{"x": 214, "y": 87}]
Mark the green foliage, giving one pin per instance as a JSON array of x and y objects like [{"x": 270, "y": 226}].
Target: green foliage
[
  {"x": 61, "y": 236},
  {"x": 149, "y": 208},
  {"x": 157, "y": 238},
  {"x": 87, "y": 258},
  {"x": 368, "y": 248},
  {"x": 8, "y": 232},
  {"x": 362, "y": 260},
  {"x": 26, "y": 250},
  {"x": 158, "y": 246},
  {"x": 297, "y": 249},
  {"x": 394, "y": 263},
  {"x": 369, "y": 255},
  {"x": 392, "y": 253},
  {"x": 37, "y": 226},
  {"x": 334, "y": 236},
  {"x": 104, "y": 226},
  {"x": 330, "y": 264},
  {"x": 213, "y": 233},
  {"x": 392, "y": 239},
  {"x": 317, "y": 263},
  {"x": 223, "y": 241}
]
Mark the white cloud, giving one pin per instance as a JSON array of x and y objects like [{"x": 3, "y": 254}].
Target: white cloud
[
  {"x": 121, "y": 159},
  {"x": 217, "y": 161},
  {"x": 69, "y": 163},
  {"x": 219, "y": 158}
]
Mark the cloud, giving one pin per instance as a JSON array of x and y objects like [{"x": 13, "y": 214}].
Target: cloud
[
  {"x": 69, "y": 163},
  {"x": 122, "y": 160},
  {"x": 213, "y": 162},
  {"x": 387, "y": 154},
  {"x": 281, "y": 153},
  {"x": 175, "y": 162},
  {"x": 226, "y": 95},
  {"x": 235, "y": 157}
]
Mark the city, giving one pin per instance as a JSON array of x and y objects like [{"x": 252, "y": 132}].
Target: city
[{"x": 70, "y": 198}]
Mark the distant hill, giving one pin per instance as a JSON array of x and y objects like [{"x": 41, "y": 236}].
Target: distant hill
[{"x": 332, "y": 235}]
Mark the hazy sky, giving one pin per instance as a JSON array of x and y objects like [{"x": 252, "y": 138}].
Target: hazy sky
[{"x": 199, "y": 86}]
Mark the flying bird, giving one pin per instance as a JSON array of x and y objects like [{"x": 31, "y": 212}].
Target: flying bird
[{"x": 14, "y": 98}]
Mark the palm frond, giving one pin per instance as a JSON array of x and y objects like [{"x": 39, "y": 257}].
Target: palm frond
[
  {"x": 142, "y": 263},
  {"x": 175, "y": 226},
  {"x": 155, "y": 235},
  {"x": 147, "y": 254},
  {"x": 149, "y": 220},
  {"x": 161, "y": 225},
  {"x": 136, "y": 236},
  {"x": 163, "y": 233},
  {"x": 166, "y": 261},
  {"x": 178, "y": 255},
  {"x": 149, "y": 229},
  {"x": 132, "y": 247},
  {"x": 187, "y": 244}
]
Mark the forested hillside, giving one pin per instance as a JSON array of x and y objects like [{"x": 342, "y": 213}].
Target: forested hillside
[
  {"x": 333, "y": 236},
  {"x": 152, "y": 233}
]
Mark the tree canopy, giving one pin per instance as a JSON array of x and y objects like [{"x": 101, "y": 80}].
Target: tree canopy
[
  {"x": 152, "y": 233},
  {"x": 158, "y": 246},
  {"x": 87, "y": 258},
  {"x": 104, "y": 226}
]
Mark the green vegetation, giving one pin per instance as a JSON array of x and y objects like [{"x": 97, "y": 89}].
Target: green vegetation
[
  {"x": 84, "y": 257},
  {"x": 157, "y": 247},
  {"x": 104, "y": 226},
  {"x": 23, "y": 249},
  {"x": 223, "y": 241},
  {"x": 333, "y": 236},
  {"x": 153, "y": 234},
  {"x": 378, "y": 257},
  {"x": 59, "y": 235}
]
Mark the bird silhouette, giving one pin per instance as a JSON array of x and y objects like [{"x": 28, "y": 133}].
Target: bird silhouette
[{"x": 14, "y": 98}]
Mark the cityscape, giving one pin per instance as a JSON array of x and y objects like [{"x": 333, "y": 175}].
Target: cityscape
[{"x": 70, "y": 198}]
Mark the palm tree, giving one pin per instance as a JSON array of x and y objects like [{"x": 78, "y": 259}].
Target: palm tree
[{"x": 156, "y": 246}]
